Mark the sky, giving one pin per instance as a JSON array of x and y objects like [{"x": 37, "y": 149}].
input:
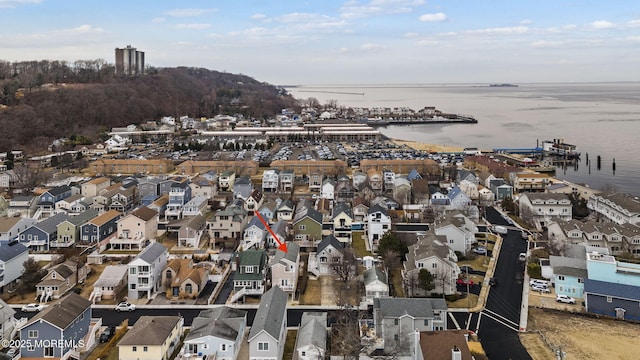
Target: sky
[{"x": 298, "y": 42}]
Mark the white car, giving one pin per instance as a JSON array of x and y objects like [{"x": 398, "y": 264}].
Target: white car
[
  {"x": 124, "y": 306},
  {"x": 565, "y": 299},
  {"x": 32, "y": 308},
  {"x": 541, "y": 288},
  {"x": 539, "y": 282}
]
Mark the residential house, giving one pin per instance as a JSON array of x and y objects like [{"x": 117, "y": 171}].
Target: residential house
[
  {"x": 179, "y": 195},
  {"x": 11, "y": 227},
  {"x": 227, "y": 180},
  {"x": 60, "y": 279},
  {"x": 48, "y": 199},
  {"x": 375, "y": 179},
  {"x": 69, "y": 229},
  {"x": 182, "y": 279},
  {"x": 253, "y": 202},
  {"x": 69, "y": 203},
  {"x": 315, "y": 181},
  {"x": 67, "y": 321},
  {"x": 307, "y": 223},
  {"x": 111, "y": 283},
  {"x": 569, "y": 274},
  {"x": 378, "y": 223},
  {"x": 254, "y": 234},
  {"x": 270, "y": 180},
  {"x": 269, "y": 330},
  {"x": 287, "y": 178},
  {"x": 205, "y": 187},
  {"x": 149, "y": 186},
  {"x": 268, "y": 210},
  {"x": 327, "y": 190},
  {"x": 160, "y": 205},
  {"x": 141, "y": 344},
  {"x": 541, "y": 208},
  {"x": 12, "y": 257},
  {"x": 459, "y": 231},
  {"x": 360, "y": 209},
  {"x": 376, "y": 284},
  {"x": 530, "y": 182},
  {"x": 444, "y": 345},
  {"x": 8, "y": 324},
  {"x": 396, "y": 320},
  {"x": 344, "y": 192},
  {"x": 467, "y": 175},
  {"x": 198, "y": 205},
  {"x": 471, "y": 189},
  {"x": 100, "y": 227},
  {"x": 135, "y": 229},
  {"x": 401, "y": 189},
  {"x": 250, "y": 272},
  {"x": 243, "y": 188},
  {"x": 280, "y": 229},
  {"x": 22, "y": 205},
  {"x": 311, "y": 343},
  {"x": 190, "y": 233},
  {"x": 330, "y": 252},
  {"x": 617, "y": 207},
  {"x": 132, "y": 166},
  {"x": 93, "y": 187},
  {"x": 216, "y": 333},
  {"x": 7, "y": 178},
  {"x": 388, "y": 177},
  {"x": 226, "y": 226},
  {"x": 145, "y": 272},
  {"x": 124, "y": 198},
  {"x": 359, "y": 178},
  {"x": 485, "y": 196},
  {"x": 39, "y": 235},
  {"x": 341, "y": 218},
  {"x": 285, "y": 210},
  {"x": 458, "y": 200},
  {"x": 285, "y": 268},
  {"x": 431, "y": 252}
]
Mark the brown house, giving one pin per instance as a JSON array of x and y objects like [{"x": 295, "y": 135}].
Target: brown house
[
  {"x": 131, "y": 166},
  {"x": 323, "y": 167},
  {"x": 182, "y": 280},
  {"x": 191, "y": 167}
]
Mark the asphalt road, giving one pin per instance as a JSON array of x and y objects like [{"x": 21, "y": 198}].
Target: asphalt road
[{"x": 499, "y": 322}]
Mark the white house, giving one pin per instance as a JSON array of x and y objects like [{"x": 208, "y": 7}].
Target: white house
[
  {"x": 216, "y": 333},
  {"x": 378, "y": 223},
  {"x": 376, "y": 284},
  {"x": 12, "y": 256},
  {"x": 311, "y": 343},
  {"x": 145, "y": 272},
  {"x": 539, "y": 209},
  {"x": 327, "y": 191},
  {"x": 270, "y": 180}
]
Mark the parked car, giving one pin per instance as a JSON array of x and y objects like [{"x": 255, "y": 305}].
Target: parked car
[
  {"x": 480, "y": 250},
  {"x": 522, "y": 257},
  {"x": 533, "y": 282},
  {"x": 107, "y": 334},
  {"x": 466, "y": 269},
  {"x": 565, "y": 299},
  {"x": 500, "y": 229},
  {"x": 125, "y": 306},
  {"x": 493, "y": 281},
  {"x": 464, "y": 281},
  {"x": 541, "y": 288},
  {"x": 32, "y": 307}
]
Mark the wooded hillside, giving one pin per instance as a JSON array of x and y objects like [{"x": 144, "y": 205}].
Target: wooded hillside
[{"x": 42, "y": 101}]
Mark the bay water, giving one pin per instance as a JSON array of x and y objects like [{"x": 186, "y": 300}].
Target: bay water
[{"x": 601, "y": 119}]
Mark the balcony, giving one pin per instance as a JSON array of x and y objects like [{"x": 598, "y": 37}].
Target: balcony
[{"x": 145, "y": 286}]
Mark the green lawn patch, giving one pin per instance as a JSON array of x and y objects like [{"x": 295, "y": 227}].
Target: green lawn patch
[{"x": 357, "y": 241}]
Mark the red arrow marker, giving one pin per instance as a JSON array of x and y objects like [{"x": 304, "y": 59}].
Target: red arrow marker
[{"x": 281, "y": 246}]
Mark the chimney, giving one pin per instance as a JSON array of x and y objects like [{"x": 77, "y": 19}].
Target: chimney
[{"x": 456, "y": 354}]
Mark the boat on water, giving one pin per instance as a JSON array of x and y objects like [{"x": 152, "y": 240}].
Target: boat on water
[
  {"x": 502, "y": 85},
  {"x": 558, "y": 147}
]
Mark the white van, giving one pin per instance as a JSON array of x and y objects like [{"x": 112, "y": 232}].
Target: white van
[{"x": 500, "y": 229}]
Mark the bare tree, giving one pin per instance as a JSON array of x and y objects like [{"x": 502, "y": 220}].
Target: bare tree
[
  {"x": 29, "y": 176},
  {"x": 345, "y": 268},
  {"x": 345, "y": 334}
]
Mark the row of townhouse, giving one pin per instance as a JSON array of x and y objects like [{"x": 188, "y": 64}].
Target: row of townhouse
[{"x": 617, "y": 239}]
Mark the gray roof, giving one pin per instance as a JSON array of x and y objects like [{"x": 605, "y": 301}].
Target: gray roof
[
  {"x": 272, "y": 311},
  {"x": 11, "y": 250},
  {"x": 415, "y": 307},
  {"x": 378, "y": 208},
  {"x": 293, "y": 250},
  {"x": 330, "y": 240},
  {"x": 150, "y": 330},
  {"x": 112, "y": 275},
  {"x": 570, "y": 271},
  {"x": 222, "y": 322},
  {"x": 374, "y": 274},
  {"x": 626, "y": 201},
  {"x": 620, "y": 291},
  {"x": 313, "y": 330},
  {"x": 6, "y": 311},
  {"x": 304, "y": 212},
  {"x": 64, "y": 312},
  {"x": 83, "y": 217},
  {"x": 341, "y": 207},
  {"x": 152, "y": 252},
  {"x": 50, "y": 224}
]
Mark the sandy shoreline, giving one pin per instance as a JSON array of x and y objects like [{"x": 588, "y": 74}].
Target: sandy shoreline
[{"x": 427, "y": 147}]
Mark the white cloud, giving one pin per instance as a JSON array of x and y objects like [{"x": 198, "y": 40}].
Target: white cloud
[
  {"x": 187, "y": 12},
  {"x": 193, "y": 26},
  {"x": 437, "y": 17},
  {"x": 411, "y": 35},
  {"x": 428, "y": 42},
  {"x": 354, "y": 9},
  {"x": 526, "y": 22},
  {"x": 258, "y": 17},
  {"x": 15, "y": 3},
  {"x": 602, "y": 24},
  {"x": 158, "y": 20},
  {"x": 371, "y": 46},
  {"x": 501, "y": 30},
  {"x": 546, "y": 44},
  {"x": 634, "y": 23}
]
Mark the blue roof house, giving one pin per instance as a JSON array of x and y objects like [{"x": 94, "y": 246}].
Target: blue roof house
[{"x": 38, "y": 236}]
